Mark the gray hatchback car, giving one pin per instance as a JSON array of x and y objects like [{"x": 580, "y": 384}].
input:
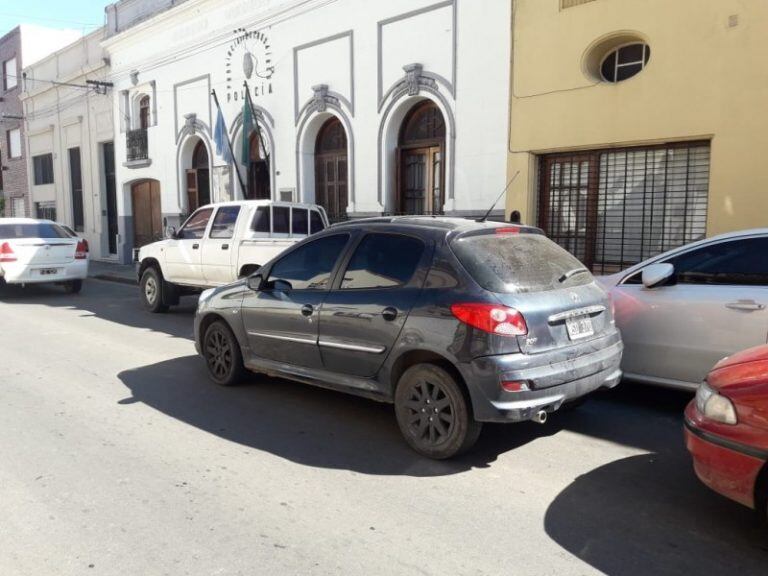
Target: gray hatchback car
[{"x": 454, "y": 321}]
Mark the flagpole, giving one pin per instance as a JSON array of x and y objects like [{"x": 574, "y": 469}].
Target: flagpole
[
  {"x": 255, "y": 119},
  {"x": 231, "y": 151}
]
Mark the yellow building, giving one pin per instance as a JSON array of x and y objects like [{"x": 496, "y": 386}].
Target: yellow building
[{"x": 638, "y": 125}]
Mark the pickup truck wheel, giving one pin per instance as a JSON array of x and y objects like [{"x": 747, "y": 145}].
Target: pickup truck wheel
[
  {"x": 152, "y": 290},
  {"x": 246, "y": 271},
  {"x": 222, "y": 355},
  {"x": 434, "y": 413}
]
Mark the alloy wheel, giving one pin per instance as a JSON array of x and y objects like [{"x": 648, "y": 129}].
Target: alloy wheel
[
  {"x": 218, "y": 354},
  {"x": 150, "y": 290},
  {"x": 431, "y": 414}
]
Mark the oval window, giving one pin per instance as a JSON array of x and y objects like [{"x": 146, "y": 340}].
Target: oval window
[{"x": 625, "y": 61}]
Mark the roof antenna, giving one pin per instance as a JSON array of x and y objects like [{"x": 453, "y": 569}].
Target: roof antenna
[{"x": 484, "y": 218}]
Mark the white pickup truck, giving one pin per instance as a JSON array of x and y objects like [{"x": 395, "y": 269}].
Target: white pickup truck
[{"x": 220, "y": 243}]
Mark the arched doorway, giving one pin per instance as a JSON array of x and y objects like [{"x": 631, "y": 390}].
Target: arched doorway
[
  {"x": 331, "y": 174},
  {"x": 259, "y": 186},
  {"x": 198, "y": 178},
  {"x": 421, "y": 161},
  {"x": 147, "y": 213}
]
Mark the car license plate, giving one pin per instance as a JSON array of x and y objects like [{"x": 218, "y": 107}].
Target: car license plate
[
  {"x": 49, "y": 271},
  {"x": 579, "y": 327}
]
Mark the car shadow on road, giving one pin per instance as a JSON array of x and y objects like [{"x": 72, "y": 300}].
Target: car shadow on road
[
  {"x": 109, "y": 301},
  {"x": 649, "y": 514},
  {"x": 307, "y": 425}
]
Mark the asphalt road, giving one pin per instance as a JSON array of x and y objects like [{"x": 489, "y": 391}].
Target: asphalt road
[{"x": 118, "y": 457}]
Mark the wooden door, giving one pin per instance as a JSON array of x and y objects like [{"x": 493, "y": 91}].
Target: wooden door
[
  {"x": 147, "y": 216},
  {"x": 331, "y": 184},
  {"x": 193, "y": 197},
  {"x": 421, "y": 180}
]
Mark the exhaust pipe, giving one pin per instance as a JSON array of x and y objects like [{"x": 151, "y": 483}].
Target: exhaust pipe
[{"x": 540, "y": 417}]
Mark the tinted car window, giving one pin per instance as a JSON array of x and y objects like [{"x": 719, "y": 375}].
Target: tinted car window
[
  {"x": 194, "y": 229},
  {"x": 261, "y": 220},
  {"x": 316, "y": 221},
  {"x": 43, "y": 230},
  {"x": 518, "y": 263},
  {"x": 383, "y": 261},
  {"x": 309, "y": 267},
  {"x": 735, "y": 262},
  {"x": 300, "y": 223},
  {"x": 281, "y": 220},
  {"x": 223, "y": 226}
]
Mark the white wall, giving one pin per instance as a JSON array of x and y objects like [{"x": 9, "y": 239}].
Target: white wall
[
  {"x": 358, "y": 48},
  {"x": 62, "y": 117}
]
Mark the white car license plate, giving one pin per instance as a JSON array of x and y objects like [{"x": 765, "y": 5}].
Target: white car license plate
[
  {"x": 579, "y": 327},
  {"x": 49, "y": 271}
]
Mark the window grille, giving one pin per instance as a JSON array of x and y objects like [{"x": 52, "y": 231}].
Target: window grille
[{"x": 615, "y": 208}]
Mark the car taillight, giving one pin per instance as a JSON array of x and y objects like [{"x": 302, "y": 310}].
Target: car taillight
[
  {"x": 508, "y": 230},
  {"x": 81, "y": 252},
  {"x": 6, "y": 253},
  {"x": 498, "y": 320}
]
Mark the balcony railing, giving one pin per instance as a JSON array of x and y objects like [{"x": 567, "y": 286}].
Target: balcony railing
[{"x": 136, "y": 145}]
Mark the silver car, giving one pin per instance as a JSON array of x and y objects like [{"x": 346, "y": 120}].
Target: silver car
[{"x": 682, "y": 311}]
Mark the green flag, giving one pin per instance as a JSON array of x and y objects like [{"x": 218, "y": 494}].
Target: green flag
[{"x": 248, "y": 127}]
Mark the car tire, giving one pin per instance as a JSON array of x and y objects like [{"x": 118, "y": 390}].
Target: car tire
[
  {"x": 73, "y": 286},
  {"x": 434, "y": 412},
  {"x": 222, "y": 355},
  {"x": 152, "y": 290}
]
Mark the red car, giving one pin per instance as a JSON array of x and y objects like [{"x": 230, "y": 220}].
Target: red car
[{"x": 726, "y": 428}]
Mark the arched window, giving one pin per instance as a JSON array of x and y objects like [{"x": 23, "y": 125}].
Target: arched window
[
  {"x": 199, "y": 178},
  {"x": 144, "y": 112},
  {"x": 331, "y": 174},
  {"x": 421, "y": 157}
]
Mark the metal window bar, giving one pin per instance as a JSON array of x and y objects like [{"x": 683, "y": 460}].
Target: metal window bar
[
  {"x": 136, "y": 143},
  {"x": 615, "y": 208}
]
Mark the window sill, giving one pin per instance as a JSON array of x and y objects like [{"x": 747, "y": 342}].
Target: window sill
[{"x": 133, "y": 164}]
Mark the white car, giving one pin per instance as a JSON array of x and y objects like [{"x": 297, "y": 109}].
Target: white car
[
  {"x": 682, "y": 311},
  {"x": 41, "y": 252},
  {"x": 220, "y": 243}
]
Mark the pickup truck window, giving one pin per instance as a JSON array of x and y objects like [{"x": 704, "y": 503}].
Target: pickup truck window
[
  {"x": 281, "y": 216},
  {"x": 316, "y": 222},
  {"x": 194, "y": 229},
  {"x": 299, "y": 222},
  {"x": 223, "y": 227},
  {"x": 262, "y": 222}
]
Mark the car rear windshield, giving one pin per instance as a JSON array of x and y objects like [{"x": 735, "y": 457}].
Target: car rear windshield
[
  {"x": 34, "y": 230},
  {"x": 518, "y": 263}
]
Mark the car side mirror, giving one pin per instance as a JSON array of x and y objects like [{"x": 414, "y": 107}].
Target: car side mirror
[
  {"x": 656, "y": 275},
  {"x": 170, "y": 232},
  {"x": 254, "y": 282}
]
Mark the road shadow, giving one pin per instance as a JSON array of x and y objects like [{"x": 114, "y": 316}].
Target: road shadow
[
  {"x": 109, "y": 301},
  {"x": 649, "y": 514},
  {"x": 307, "y": 425}
]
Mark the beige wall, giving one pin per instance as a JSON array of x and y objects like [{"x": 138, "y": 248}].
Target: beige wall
[{"x": 707, "y": 79}]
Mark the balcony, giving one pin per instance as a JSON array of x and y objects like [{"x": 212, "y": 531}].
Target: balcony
[{"x": 136, "y": 149}]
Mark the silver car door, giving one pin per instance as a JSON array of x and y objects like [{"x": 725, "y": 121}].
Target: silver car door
[{"x": 715, "y": 306}]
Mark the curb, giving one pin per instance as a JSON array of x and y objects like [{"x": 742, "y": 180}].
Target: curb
[{"x": 116, "y": 279}]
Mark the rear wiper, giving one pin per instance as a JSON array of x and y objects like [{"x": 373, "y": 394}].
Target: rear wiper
[{"x": 571, "y": 273}]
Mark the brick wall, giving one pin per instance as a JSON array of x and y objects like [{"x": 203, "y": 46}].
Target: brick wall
[{"x": 14, "y": 177}]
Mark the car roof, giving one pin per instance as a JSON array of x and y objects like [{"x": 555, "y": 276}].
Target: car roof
[
  {"x": 24, "y": 221},
  {"x": 445, "y": 223}
]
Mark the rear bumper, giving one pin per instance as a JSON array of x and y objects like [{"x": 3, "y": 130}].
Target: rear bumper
[
  {"x": 32, "y": 273},
  {"x": 721, "y": 464},
  {"x": 554, "y": 378}
]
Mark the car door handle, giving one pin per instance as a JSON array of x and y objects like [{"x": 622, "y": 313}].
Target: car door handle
[
  {"x": 748, "y": 305},
  {"x": 307, "y": 310},
  {"x": 389, "y": 313},
  {"x": 225, "y": 246},
  {"x": 195, "y": 246}
]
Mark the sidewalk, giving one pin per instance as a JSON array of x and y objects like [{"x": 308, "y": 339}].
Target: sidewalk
[{"x": 122, "y": 273}]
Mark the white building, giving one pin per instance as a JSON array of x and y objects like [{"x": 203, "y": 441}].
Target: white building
[
  {"x": 69, "y": 137},
  {"x": 363, "y": 106}
]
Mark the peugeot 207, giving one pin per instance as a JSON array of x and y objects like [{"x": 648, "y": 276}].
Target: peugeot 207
[{"x": 455, "y": 322}]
